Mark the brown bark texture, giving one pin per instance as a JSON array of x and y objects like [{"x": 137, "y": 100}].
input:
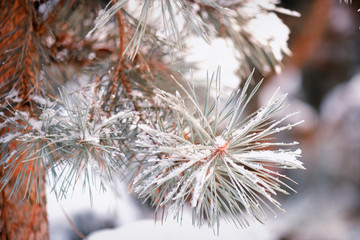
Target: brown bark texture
[
  {"x": 20, "y": 217},
  {"x": 23, "y": 218}
]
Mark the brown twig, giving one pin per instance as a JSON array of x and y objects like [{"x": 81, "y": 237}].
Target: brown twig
[
  {"x": 120, "y": 65},
  {"x": 41, "y": 29},
  {"x": 76, "y": 230}
]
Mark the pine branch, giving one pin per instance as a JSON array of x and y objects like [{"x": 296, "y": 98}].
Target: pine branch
[
  {"x": 72, "y": 139},
  {"x": 215, "y": 158},
  {"x": 248, "y": 24},
  {"x": 142, "y": 23},
  {"x": 209, "y": 156},
  {"x": 256, "y": 32}
]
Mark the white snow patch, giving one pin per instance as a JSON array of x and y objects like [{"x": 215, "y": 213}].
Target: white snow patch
[
  {"x": 39, "y": 99},
  {"x": 13, "y": 96},
  {"x": 206, "y": 57},
  {"x": 269, "y": 30},
  {"x": 220, "y": 141},
  {"x": 8, "y": 137}
]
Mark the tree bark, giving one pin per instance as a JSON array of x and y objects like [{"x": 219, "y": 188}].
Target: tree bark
[
  {"x": 23, "y": 218},
  {"x": 20, "y": 218}
]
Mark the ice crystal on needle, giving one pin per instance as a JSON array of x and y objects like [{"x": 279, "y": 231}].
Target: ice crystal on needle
[{"x": 221, "y": 173}]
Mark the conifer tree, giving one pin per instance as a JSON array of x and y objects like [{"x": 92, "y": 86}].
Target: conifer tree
[{"x": 89, "y": 92}]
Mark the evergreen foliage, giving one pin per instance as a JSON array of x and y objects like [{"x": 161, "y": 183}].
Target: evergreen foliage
[{"x": 124, "y": 121}]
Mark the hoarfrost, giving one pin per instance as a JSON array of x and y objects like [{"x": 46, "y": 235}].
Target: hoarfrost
[
  {"x": 283, "y": 158},
  {"x": 201, "y": 178},
  {"x": 91, "y": 138},
  {"x": 36, "y": 125},
  {"x": 220, "y": 141},
  {"x": 47, "y": 114}
]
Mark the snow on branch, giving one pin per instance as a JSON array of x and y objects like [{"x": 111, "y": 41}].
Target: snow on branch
[
  {"x": 257, "y": 33},
  {"x": 215, "y": 158},
  {"x": 74, "y": 138}
]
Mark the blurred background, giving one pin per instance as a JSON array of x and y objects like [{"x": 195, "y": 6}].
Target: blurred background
[{"x": 322, "y": 78}]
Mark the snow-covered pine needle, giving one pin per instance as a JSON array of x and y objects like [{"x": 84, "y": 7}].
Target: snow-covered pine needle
[
  {"x": 220, "y": 171},
  {"x": 169, "y": 10},
  {"x": 257, "y": 33},
  {"x": 19, "y": 158},
  {"x": 74, "y": 139}
]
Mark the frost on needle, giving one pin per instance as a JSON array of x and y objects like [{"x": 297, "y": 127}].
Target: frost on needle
[
  {"x": 75, "y": 138},
  {"x": 214, "y": 158}
]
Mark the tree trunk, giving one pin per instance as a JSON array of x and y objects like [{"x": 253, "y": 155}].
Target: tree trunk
[
  {"x": 23, "y": 218},
  {"x": 20, "y": 218}
]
